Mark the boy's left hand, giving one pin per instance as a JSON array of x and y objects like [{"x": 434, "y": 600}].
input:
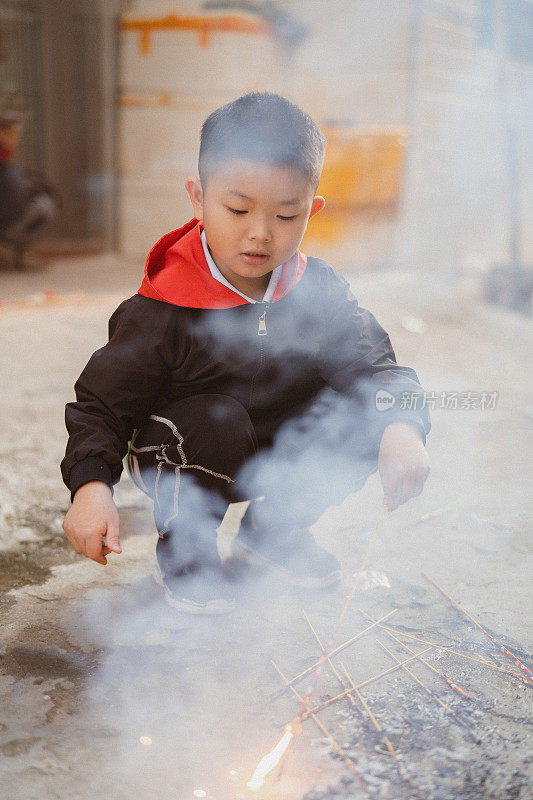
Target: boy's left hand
[{"x": 403, "y": 463}]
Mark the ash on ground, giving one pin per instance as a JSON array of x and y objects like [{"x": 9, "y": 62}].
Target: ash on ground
[{"x": 483, "y": 754}]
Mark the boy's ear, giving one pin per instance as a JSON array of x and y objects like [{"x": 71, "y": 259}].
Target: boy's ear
[
  {"x": 194, "y": 189},
  {"x": 317, "y": 205}
]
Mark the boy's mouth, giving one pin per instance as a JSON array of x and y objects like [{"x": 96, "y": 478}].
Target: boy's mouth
[{"x": 255, "y": 257}]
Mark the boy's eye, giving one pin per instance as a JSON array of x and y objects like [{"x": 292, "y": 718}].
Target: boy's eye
[{"x": 240, "y": 211}]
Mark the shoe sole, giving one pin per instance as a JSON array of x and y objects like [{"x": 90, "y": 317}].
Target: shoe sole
[
  {"x": 247, "y": 555},
  {"x": 212, "y": 607}
]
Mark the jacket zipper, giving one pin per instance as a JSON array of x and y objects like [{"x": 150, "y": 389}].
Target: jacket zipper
[{"x": 261, "y": 331}]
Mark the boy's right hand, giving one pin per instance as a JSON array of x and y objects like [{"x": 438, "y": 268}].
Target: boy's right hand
[{"x": 92, "y": 516}]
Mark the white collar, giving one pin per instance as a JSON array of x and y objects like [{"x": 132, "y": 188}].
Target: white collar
[{"x": 218, "y": 276}]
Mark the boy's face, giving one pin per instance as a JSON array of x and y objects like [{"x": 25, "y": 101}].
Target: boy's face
[{"x": 254, "y": 217}]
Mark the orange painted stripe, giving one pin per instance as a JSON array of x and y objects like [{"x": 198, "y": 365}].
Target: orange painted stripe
[{"x": 203, "y": 25}]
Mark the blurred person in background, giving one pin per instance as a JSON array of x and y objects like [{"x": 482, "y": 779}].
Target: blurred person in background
[{"x": 27, "y": 202}]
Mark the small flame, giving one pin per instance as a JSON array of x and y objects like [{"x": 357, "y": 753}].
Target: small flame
[
  {"x": 145, "y": 740},
  {"x": 271, "y": 760}
]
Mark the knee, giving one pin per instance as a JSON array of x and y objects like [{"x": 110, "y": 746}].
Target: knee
[
  {"x": 222, "y": 421},
  {"x": 220, "y": 409},
  {"x": 206, "y": 429}
]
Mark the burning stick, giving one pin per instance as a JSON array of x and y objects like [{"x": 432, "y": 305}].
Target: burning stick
[
  {"x": 514, "y": 659},
  {"x": 447, "y": 649},
  {"x": 424, "y": 687},
  {"x": 271, "y": 759},
  {"x": 320, "y": 706},
  {"x": 374, "y": 721},
  {"x": 354, "y": 688},
  {"x": 347, "y": 761}
]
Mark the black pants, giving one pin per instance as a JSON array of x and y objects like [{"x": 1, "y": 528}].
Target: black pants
[{"x": 195, "y": 456}]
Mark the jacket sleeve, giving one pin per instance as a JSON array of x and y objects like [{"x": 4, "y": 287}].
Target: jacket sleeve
[
  {"x": 358, "y": 361},
  {"x": 117, "y": 391}
]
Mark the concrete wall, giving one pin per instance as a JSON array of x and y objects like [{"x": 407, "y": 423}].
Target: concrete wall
[
  {"x": 469, "y": 97},
  {"x": 59, "y": 56},
  {"x": 164, "y": 97},
  {"x": 445, "y": 71},
  {"x": 341, "y": 74}
]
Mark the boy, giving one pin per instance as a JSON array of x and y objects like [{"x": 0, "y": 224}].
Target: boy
[{"x": 241, "y": 370}]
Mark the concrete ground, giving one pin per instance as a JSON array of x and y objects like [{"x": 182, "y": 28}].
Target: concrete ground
[{"x": 91, "y": 659}]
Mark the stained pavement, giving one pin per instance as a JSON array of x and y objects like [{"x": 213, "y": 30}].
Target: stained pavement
[{"x": 90, "y": 658}]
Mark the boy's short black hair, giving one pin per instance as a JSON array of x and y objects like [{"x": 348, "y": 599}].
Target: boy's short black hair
[{"x": 262, "y": 127}]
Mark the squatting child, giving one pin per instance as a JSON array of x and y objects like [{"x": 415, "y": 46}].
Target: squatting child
[{"x": 241, "y": 370}]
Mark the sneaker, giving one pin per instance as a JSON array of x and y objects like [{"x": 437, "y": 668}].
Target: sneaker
[
  {"x": 296, "y": 557},
  {"x": 197, "y": 588}
]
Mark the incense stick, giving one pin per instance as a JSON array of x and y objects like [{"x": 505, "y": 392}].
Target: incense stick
[
  {"x": 320, "y": 664},
  {"x": 450, "y": 683},
  {"x": 327, "y": 650},
  {"x": 338, "y": 649},
  {"x": 360, "y": 570},
  {"x": 320, "y": 706},
  {"x": 374, "y": 721},
  {"x": 528, "y": 673},
  {"x": 329, "y": 661},
  {"x": 426, "y": 689},
  {"x": 447, "y": 649}
]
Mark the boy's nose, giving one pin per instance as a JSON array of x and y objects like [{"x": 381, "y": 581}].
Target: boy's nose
[{"x": 259, "y": 232}]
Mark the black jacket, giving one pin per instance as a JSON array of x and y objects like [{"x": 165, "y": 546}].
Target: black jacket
[{"x": 273, "y": 358}]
